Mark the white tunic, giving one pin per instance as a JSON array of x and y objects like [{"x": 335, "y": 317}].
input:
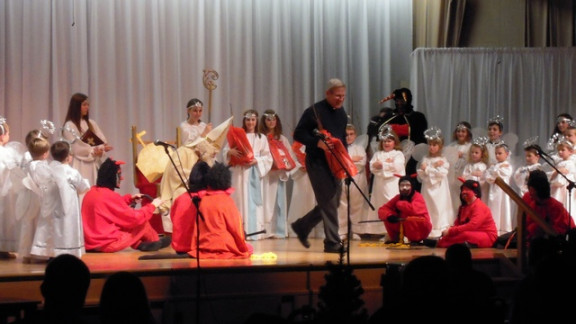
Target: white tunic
[
  {"x": 35, "y": 202},
  {"x": 276, "y": 199},
  {"x": 191, "y": 132},
  {"x": 498, "y": 201},
  {"x": 384, "y": 187},
  {"x": 436, "y": 192},
  {"x": 10, "y": 184},
  {"x": 247, "y": 182},
  {"x": 356, "y": 200},
  {"x": 456, "y": 170},
  {"x": 84, "y": 159},
  {"x": 61, "y": 231},
  {"x": 558, "y": 186}
]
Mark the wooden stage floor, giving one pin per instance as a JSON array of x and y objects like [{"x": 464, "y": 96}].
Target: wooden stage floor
[{"x": 280, "y": 284}]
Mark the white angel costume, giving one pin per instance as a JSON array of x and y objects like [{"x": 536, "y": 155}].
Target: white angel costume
[
  {"x": 558, "y": 185},
  {"x": 276, "y": 199},
  {"x": 470, "y": 169},
  {"x": 457, "y": 164},
  {"x": 384, "y": 186},
  {"x": 247, "y": 182},
  {"x": 356, "y": 199},
  {"x": 436, "y": 192},
  {"x": 498, "y": 201},
  {"x": 10, "y": 184},
  {"x": 60, "y": 230}
]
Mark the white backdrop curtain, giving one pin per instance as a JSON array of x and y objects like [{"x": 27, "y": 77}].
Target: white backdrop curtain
[
  {"x": 529, "y": 87},
  {"x": 141, "y": 61}
]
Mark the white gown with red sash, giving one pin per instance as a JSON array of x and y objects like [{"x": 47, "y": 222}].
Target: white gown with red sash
[
  {"x": 247, "y": 182},
  {"x": 274, "y": 188}
]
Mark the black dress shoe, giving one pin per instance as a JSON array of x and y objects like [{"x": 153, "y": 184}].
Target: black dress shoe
[
  {"x": 303, "y": 238},
  {"x": 335, "y": 248}
]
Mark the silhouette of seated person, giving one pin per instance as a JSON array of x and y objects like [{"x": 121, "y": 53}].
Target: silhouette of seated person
[
  {"x": 64, "y": 289},
  {"x": 548, "y": 208},
  {"x": 406, "y": 214},
  {"x": 474, "y": 289},
  {"x": 543, "y": 295},
  {"x": 110, "y": 224},
  {"x": 220, "y": 234},
  {"x": 124, "y": 301},
  {"x": 474, "y": 224},
  {"x": 184, "y": 212}
]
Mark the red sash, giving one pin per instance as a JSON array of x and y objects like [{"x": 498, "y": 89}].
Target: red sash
[
  {"x": 301, "y": 156},
  {"x": 237, "y": 139},
  {"x": 340, "y": 153},
  {"x": 280, "y": 155}
]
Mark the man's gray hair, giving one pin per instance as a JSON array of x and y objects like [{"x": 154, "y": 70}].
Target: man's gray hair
[{"x": 334, "y": 83}]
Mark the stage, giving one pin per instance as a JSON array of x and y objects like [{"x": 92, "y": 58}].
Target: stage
[{"x": 282, "y": 278}]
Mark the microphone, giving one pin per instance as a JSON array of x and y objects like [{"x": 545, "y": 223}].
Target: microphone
[
  {"x": 160, "y": 143},
  {"x": 390, "y": 97},
  {"x": 541, "y": 152},
  {"x": 319, "y": 134}
]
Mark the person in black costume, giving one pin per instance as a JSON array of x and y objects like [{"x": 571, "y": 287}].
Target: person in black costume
[
  {"x": 406, "y": 123},
  {"x": 328, "y": 115}
]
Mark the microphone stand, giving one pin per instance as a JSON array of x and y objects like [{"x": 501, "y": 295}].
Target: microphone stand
[
  {"x": 349, "y": 179},
  {"x": 196, "y": 201},
  {"x": 571, "y": 185}
]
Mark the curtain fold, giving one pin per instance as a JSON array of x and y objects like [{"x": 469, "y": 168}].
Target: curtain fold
[{"x": 141, "y": 61}]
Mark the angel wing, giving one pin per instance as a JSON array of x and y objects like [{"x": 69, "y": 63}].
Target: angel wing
[
  {"x": 362, "y": 140},
  {"x": 510, "y": 139},
  {"x": 420, "y": 150},
  {"x": 451, "y": 154}
]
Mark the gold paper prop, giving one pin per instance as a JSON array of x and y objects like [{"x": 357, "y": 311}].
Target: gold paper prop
[{"x": 152, "y": 161}]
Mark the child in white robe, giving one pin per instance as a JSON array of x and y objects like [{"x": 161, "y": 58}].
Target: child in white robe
[
  {"x": 532, "y": 157},
  {"x": 247, "y": 177},
  {"x": 31, "y": 201},
  {"x": 358, "y": 155},
  {"x": 462, "y": 137},
  {"x": 9, "y": 183},
  {"x": 477, "y": 165},
  {"x": 498, "y": 201},
  {"x": 433, "y": 173},
  {"x": 495, "y": 131},
  {"x": 61, "y": 231},
  {"x": 559, "y": 183},
  {"x": 275, "y": 182},
  {"x": 387, "y": 162}
]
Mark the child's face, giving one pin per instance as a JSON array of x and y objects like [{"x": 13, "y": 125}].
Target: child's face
[
  {"x": 433, "y": 148},
  {"x": 195, "y": 113},
  {"x": 388, "y": 144},
  {"x": 563, "y": 125},
  {"x": 494, "y": 132},
  {"x": 564, "y": 152},
  {"x": 461, "y": 135},
  {"x": 571, "y": 136},
  {"x": 475, "y": 154},
  {"x": 350, "y": 136},
  {"x": 501, "y": 154},
  {"x": 270, "y": 123},
  {"x": 531, "y": 158},
  {"x": 250, "y": 123}
]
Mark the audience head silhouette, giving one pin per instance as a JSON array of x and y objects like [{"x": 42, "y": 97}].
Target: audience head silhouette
[
  {"x": 124, "y": 300},
  {"x": 66, "y": 282}
]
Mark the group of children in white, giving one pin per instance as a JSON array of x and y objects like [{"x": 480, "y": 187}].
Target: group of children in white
[{"x": 40, "y": 209}]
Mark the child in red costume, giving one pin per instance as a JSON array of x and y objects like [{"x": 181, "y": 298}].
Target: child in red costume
[
  {"x": 220, "y": 231},
  {"x": 474, "y": 224},
  {"x": 110, "y": 224}
]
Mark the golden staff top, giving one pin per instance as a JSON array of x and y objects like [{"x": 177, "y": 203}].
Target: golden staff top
[{"x": 209, "y": 77}]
